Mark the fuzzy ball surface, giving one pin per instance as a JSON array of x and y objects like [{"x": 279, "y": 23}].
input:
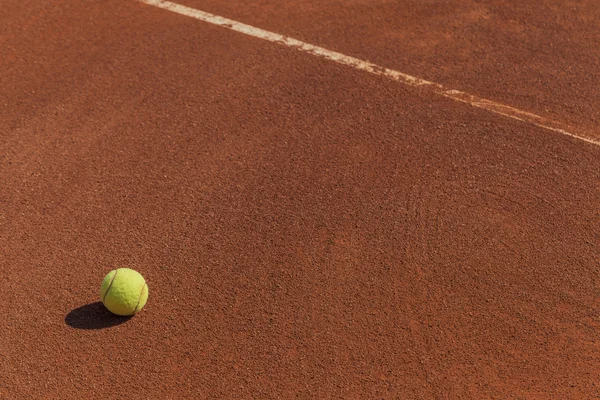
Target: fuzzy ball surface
[{"x": 124, "y": 291}]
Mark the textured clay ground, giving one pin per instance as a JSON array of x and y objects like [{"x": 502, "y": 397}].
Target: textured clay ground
[{"x": 307, "y": 231}]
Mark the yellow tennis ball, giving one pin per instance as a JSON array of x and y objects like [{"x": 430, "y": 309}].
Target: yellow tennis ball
[{"x": 124, "y": 291}]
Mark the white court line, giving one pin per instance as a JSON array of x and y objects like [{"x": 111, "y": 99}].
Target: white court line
[{"x": 489, "y": 105}]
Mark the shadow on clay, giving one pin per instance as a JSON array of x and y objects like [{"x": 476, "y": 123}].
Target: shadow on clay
[{"x": 93, "y": 316}]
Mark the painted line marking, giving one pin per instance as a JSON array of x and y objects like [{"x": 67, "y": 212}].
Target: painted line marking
[{"x": 457, "y": 95}]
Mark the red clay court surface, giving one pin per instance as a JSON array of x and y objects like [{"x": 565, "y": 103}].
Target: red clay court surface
[{"x": 307, "y": 230}]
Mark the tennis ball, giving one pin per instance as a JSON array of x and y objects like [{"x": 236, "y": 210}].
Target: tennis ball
[{"x": 124, "y": 291}]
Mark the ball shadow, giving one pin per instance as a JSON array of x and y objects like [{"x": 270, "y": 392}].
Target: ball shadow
[{"x": 93, "y": 316}]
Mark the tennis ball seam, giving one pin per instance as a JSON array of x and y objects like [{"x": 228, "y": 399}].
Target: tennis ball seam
[
  {"x": 135, "y": 310},
  {"x": 110, "y": 284}
]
